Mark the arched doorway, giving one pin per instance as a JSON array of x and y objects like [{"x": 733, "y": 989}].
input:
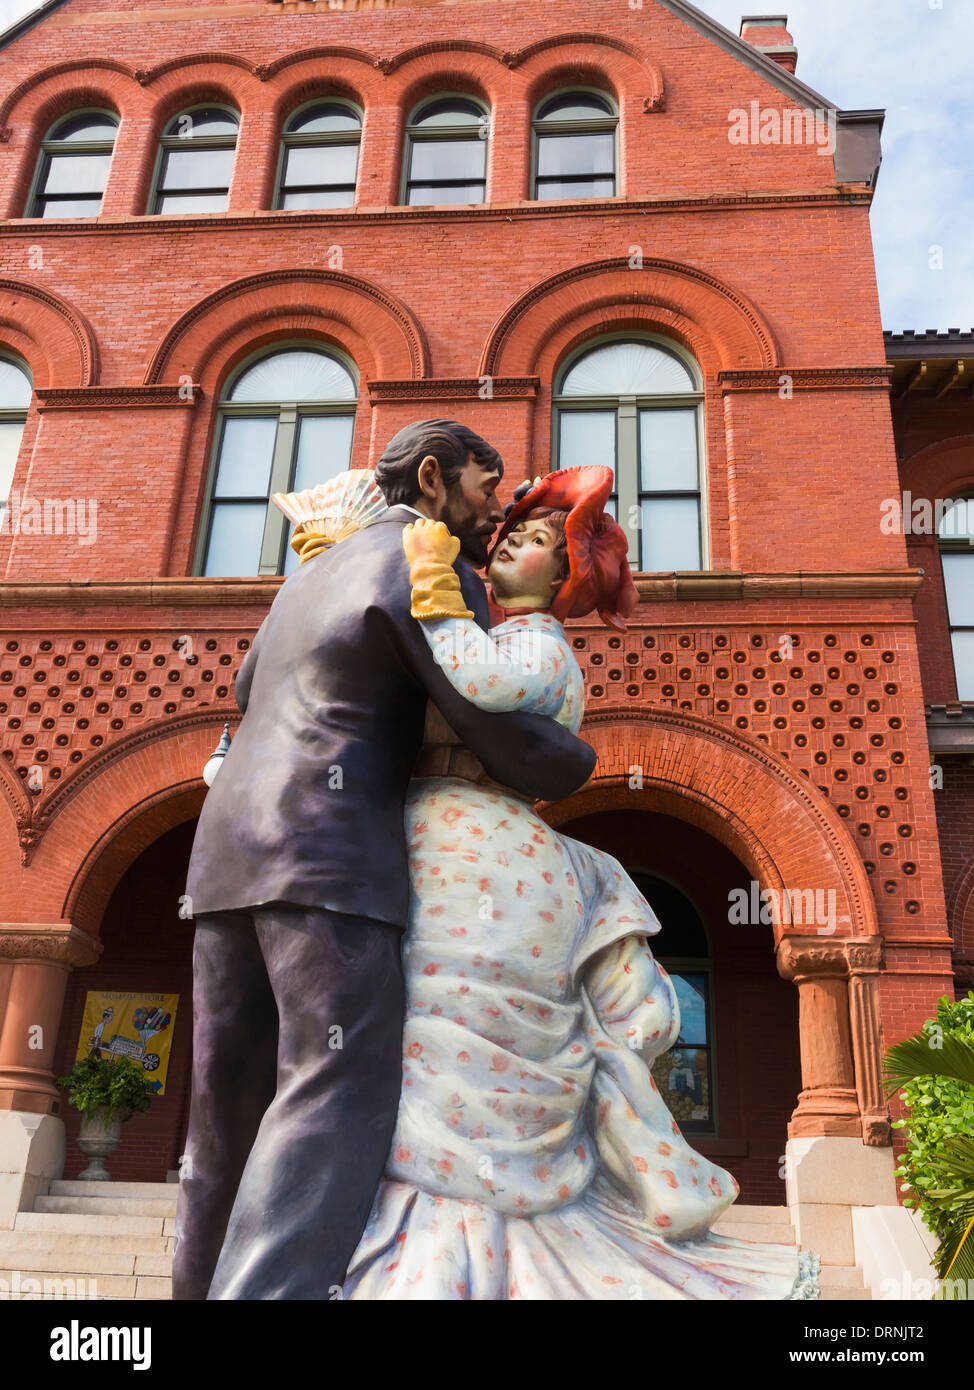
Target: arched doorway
[
  {"x": 732, "y": 1078},
  {"x": 148, "y": 949}
]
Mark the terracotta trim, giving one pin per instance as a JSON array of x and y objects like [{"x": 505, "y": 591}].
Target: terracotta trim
[
  {"x": 808, "y": 379},
  {"x": 512, "y": 388},
  {"x": 60, "y": 943},
  {"x": 116, "y": 397}
]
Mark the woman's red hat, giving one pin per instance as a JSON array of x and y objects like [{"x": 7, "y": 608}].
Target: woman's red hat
[{"x": 599, "y": 576}]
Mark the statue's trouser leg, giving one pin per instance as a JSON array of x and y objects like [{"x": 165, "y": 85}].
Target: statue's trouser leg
[
  {"x": 322, "y": 1145},
  {"x": 234, "y": 1079}
]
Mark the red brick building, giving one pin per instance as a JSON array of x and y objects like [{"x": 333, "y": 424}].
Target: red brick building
[{"x": 242, "y": 244}]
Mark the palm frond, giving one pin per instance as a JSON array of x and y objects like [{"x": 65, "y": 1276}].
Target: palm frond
[{"x": 916, "y": 1056}]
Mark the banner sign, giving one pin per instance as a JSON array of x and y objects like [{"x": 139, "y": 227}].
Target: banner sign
[{"x": 119, "y": 1023}]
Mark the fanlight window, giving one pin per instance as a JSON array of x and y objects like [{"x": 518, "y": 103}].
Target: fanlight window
[
  {"x": 73, "y": 166},
  {"x": 575, "y": 147},
  {"x": 956, "y": 533},
  {"x": 285, "y": 424},
  {"x": 15, "y": 393},
  {"x": 319, "y": 160},
  {"x": 446, "y": 152},
  {"x": 196, "y": 161},
  {"x": 635, "y": 406}
]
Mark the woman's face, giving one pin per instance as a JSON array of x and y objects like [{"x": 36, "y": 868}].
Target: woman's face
[{"x": 527, "y": 565}]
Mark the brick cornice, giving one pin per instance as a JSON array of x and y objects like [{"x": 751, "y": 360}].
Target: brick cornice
[
  {"x": 117, "y": 397},
  {"x": 197, "y": 592},
  {"x": 509, "y": 388},
  {"x": 807, "y": 379}
]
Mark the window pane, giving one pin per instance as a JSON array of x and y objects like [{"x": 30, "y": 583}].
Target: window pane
[
  {"x": 11, "y": 432},
  {"x": 587, "y": 436},
  {"x": 576, "y": 154},
  {"x": 319, "y": 198},
  {"x": 295, "y": 376},
  {"x": 189, "y": 125},
  {"x": 317, "y": 164},
  {"x": 668, "y": 450},
  {"x": 89, "y": 126},
  {"x": 959, "y": 583},
  {"x": 193, "y": 202},
  {"x": 551, "y": 189},
  {"x": 670, "y": 534},
  {"x": 683, "y": 1078},
  {"x": 194, "y": 168},
  {"x": 963, "y": 643},
  {"x": 957, "y": 522},
  {"x": 236, "y": 535},
  {"x": 246, "y": 455},
  {"x": 77, "y": 173},
  {"x": 575, "y": 106},
  {"x": 67, "y": 207},
  {"x": 627, "y": 369},
  {"x": 448, "y": 159},
  {"x": 326, "y": 117},
  {"x": 15, "y": 386},
  {"x": 450, "y": 111},
  {"x": 324, "y": 449},
  {"x": 691, "y": 993},
  {"x": 424, "y": 194}
]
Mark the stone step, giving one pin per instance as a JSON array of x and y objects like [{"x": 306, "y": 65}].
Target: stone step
[
  {"x": 96, "y": 1286},
  {"x": 778, "y": 1216},
  {"x": 841, "y": 1276},
  {"x": 106, "y": 1206},
  {"x": 87, "y": 1223},
  {"x": 757, "y": 1232},
  {"x": 840, "y": 1295},
  {"x": 76, "y": 1188},
  {"x": 17, "y": 1242}
]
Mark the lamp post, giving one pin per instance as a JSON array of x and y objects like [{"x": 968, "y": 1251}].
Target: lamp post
[{"x": 215, "y": 761}]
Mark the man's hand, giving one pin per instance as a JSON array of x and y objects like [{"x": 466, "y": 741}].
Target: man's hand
[{"x": 431, "y": 551}]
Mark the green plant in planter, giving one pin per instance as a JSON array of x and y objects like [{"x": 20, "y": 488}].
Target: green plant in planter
[
  {"x": 115, "y": 1085},
  {"x": 935, "y": 1071}
]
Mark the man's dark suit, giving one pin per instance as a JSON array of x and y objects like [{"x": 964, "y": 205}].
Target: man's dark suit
[{"x": 299, "y": 882}]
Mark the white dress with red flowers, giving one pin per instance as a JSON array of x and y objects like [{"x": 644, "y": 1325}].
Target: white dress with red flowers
[{"x": 534, "y": 1156}]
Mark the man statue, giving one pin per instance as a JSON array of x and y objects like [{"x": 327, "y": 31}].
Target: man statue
[{"x": 299, "y": 884}]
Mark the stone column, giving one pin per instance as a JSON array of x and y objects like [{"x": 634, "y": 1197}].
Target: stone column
[
  {"x": 828, "y": 1103},
  {"x": 36, "y": 960}
]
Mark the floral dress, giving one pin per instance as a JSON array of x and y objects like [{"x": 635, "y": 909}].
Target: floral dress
[{"x": 534, "y": 1157}]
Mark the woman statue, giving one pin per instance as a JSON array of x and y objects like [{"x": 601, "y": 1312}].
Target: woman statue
[{"x": 534, "y": 1157}]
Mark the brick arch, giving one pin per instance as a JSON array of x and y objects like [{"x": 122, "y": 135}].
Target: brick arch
[
  {"x": 453, "y": 70},
  {"x": 736, "y": 789},
  {"x": 941, "y": 469},
  {"x": 960, "y": 913},
  {"x": 56, "y": 339},
  {"x": 14, "y": 796},
  {"x": 304, "y": 296},
  {"x": 582, "y": 58},
  {"x": 717, "y": 320},
  {"x": 315, "y": 55}
]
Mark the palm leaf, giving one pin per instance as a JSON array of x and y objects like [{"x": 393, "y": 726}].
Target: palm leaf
[
  {"x": 955, "y": 1257},
  {"x": 916, "y": 1057}
]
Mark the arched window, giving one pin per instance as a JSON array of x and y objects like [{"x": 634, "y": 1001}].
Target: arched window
[
  {"x": 575, "y": 146},
  {"x": 635, "y": 406},
  {"x": 15, "y": 393},
  {"x": 196, "y": 160},
  {"x": 685, "y": 1074},
  {"x": 319, "y": 156},
  {"x": 73, "y": 166},
  {"x": 956, "y": 538},
  {"x": 446, "y": 152},
  {"x": 286, "y": 423}
]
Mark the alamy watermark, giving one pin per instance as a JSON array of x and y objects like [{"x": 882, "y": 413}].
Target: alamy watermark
[
  {"x": 769, "y": 125},
  {"x": 50, "y": 516}
]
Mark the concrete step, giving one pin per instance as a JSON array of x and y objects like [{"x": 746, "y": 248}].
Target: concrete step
[
  {"x": 106, "y": 1206},
  {"x": 766, "y": 1215},
  {"x": 76, "y": 1188},
  {"x": 841, "y": 1277},
  {"x": 97, "y": 1286},
  {"x": 87, "y": 1223},
  {"x": 18, "y": 1242},
  {"x": 756, "y": 1231},
  {"x": 839, "y": 1295}
]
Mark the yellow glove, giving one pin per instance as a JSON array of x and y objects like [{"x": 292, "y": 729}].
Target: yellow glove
[{"x": 431, "y": 551}]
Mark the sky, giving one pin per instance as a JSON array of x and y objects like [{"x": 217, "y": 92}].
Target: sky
[{"x": 915, "y": 59}]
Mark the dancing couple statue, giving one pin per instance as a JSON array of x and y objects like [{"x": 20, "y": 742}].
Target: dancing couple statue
[{"x": 424, "y": 1021}]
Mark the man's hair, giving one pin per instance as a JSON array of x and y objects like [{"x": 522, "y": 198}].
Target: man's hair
[{"x": 397, "y": 472}]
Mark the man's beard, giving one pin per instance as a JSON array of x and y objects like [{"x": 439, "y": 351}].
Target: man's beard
[{"x": 474, "y": 542}]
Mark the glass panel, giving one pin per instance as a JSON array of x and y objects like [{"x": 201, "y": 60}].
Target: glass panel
[
  {"x": 68, "y": 207},
  {"x": 683, "y": 1078},
  {"x": 246, "y": 455},
  {"x": 963, "y": 643},
  {"x": 587, "y": 436},
  {"x": 448, "y": 159},
  {"x": 551, "y": 189},
  {"x": 576, "y": 154},
  {"x": 77, "y": 173},
  {"x": 425, "y": 195},
  {"x": 319, "y": 198},
  {"x": 190, "y": 125},
  {"x": 317, "y": 164},
  {"x": 959, "y": 583},
  {"x": 575, "y": 106},
  {"x": 324, "y": 449},
  {"x": 11, "y": 432},
  {"x": 450, "y": 111},
  {"x": 627, "y": 369},
  {"x": 236, "y": 535},
  {"x": 193, "y": 202},
  {"x": 328, "y": 116},
  {"x": 670, "y": 534},
  {"x": 957, "y": 522},
  {"x": 691, "y": 992},
  {"x": 193, "y": 168},
  {"x": 295, "y": 376},
  {"x": 15, "y": 386},
  {"x": 668, "y": 450},
  {"x": 89, "y": 126}
]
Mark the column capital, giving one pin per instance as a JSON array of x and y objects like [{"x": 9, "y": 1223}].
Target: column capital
[
  {"x": 59, "y": 943},
  {"x": 801, "y": 956}
]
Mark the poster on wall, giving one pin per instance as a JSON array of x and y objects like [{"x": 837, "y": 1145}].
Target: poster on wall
[{"x": 133, "y": 1024}]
